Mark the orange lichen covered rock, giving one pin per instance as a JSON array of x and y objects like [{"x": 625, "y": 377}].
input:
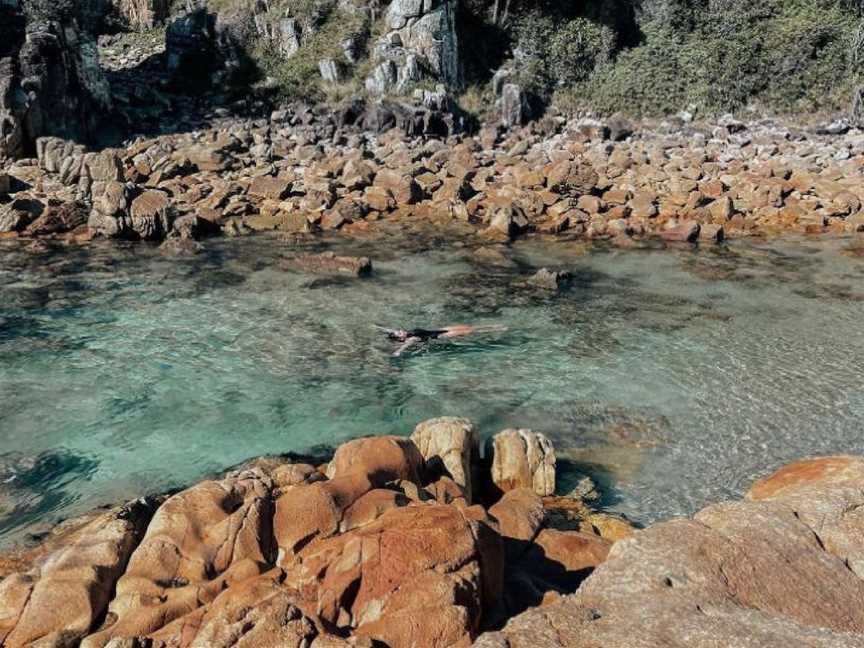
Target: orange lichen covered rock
[{"x": 414, "y": 577}]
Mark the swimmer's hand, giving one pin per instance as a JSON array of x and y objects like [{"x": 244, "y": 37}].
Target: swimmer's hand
[{"x": 410, "y": 342}]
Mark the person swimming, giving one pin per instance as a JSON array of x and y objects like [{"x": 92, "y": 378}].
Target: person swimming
[{"x": 412, "y": 337}]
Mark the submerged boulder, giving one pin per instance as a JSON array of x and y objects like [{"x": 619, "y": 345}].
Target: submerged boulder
[
  {"x": 547, "y": 279},
  {"x": 329, "y": 263}
]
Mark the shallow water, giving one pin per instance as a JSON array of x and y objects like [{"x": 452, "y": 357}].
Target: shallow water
[{"x": 673, "y": 377}]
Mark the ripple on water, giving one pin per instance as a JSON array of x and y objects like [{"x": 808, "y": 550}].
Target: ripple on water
[{"x": 674, "y": 378}]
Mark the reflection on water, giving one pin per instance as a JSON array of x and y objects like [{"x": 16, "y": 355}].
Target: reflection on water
[
  {"x": 674, "y": 377},
  {"x": 32, "y": 485}
]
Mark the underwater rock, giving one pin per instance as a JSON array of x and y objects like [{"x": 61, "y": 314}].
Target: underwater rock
[
  {"x": 550, "y": 279},
  {"x": 493, "y": 256},
  {"x": 181, "y": 247},
  {"x": 823, "y": 471},
  {"x": 329, "y": 263}
]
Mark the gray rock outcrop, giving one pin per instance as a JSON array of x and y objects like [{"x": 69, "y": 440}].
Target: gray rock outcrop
[
  {"x": 50, "y": 82},
  {"x": 421, "y": 41}
]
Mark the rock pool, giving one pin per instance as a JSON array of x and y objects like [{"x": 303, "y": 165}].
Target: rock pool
[{"x": 673, "y": 377}]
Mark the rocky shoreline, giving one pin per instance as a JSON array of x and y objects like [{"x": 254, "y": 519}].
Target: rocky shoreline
[
  {"x": 305, "y": 170},
  {"x": 426, "y": 541}
]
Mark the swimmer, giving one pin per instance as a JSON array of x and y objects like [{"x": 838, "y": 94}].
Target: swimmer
[{"x": 413, "y": 337}]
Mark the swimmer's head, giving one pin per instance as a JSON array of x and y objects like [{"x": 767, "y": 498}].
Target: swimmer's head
[{"x": 400, "y": 335}]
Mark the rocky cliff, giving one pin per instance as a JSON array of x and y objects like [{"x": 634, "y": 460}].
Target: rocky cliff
[
  {"x": 466, "y": 62},
  {"x": 652, "y": 57},
  {"x": 50, "y": 80}
]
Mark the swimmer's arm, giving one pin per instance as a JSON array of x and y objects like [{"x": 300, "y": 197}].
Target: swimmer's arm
[
  {"x": 390, "y": 333},
  {"x": 411, "y": 341}
]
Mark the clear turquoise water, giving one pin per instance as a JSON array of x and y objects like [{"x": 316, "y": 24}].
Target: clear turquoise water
[{"x": 674, "y": 377}]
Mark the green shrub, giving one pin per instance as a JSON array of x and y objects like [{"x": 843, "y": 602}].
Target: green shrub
[
  {"x": 560, "y": 53},
  {"x": 780, "y": 55},
  {"x": 299, "y": 76}
]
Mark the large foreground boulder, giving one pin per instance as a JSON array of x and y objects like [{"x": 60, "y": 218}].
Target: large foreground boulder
[
  {"x": 377, "y": 548},
  {"x": 199, "y": 542},
  {"x": 774, "y": 571},
  {"x": 57, "y": 601},
  {"x": 382, "y": 459},
  {"x": 420, "y": 575}
]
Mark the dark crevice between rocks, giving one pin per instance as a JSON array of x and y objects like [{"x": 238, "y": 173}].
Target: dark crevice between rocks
[
  {"x": 139, "y": 513},
  {"x": 529, "y": 579}
]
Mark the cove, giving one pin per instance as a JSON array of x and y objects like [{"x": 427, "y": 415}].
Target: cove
[{"x": 673, "y": 377}]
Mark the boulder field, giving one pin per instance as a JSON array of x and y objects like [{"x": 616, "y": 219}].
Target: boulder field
[
  {"x": 301, "y": 171},
  {"x": 424, "y": 541}
]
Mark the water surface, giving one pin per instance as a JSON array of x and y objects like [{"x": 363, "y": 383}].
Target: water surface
[{"x": 673, "y": 377}]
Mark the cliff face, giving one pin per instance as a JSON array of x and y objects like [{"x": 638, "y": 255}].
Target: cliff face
[
  {"x": 50, "y": 81},
  {"x": 649, "y": 57},
  {"x": 11, "y": 95},
  {"x": 501, "y": 61}
]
